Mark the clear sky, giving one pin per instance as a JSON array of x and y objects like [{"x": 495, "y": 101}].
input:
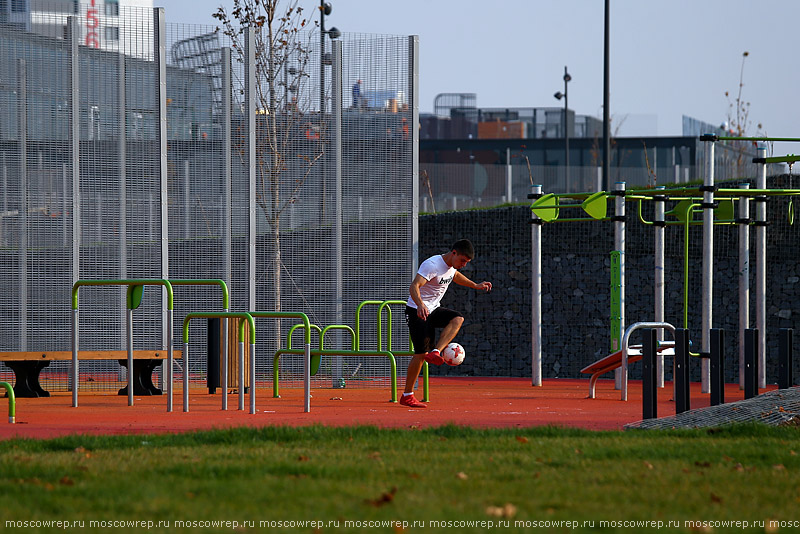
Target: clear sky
[{"x": 668, "y": 57}]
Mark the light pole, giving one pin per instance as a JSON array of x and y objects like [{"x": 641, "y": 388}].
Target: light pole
[
  {"x": 558, "y": 96},
  {"x": 325, "y": 8}
]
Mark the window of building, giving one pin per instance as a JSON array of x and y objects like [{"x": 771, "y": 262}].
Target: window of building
[
  {"x": 19, "y": 6},
  {"x": 112, "y": 8},
  {"x": 112, "y": 33}
]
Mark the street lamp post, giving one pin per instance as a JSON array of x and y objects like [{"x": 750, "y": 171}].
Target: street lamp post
[
  {"x": 325, "y": 8},
  {"x": 565, "y": 123}
]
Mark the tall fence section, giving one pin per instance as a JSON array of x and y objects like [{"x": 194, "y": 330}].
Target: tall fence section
[{"x": 166, "y": 158}]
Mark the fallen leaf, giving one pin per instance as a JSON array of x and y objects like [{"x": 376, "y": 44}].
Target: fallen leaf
[
  {"x": 578, "y": 451},
  {"x": 648, "y": 465},
  {"x": 522, "y": 439},
  {"x": 385, "y": 498},
  {"x": 716, "y": 498},
  {"x": 703, "y": 464},
  {"x": 375, "y": 455},
  {"x": 66, "y": 481},
  {"x": 779, "y": 467},
  {"x": 302, "y": 458},
  {"x": 739, "y": 467},
  {"x": 461, "y": 475}
]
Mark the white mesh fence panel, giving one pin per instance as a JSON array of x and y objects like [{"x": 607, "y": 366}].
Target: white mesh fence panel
[{"x": 116, "y": 205}]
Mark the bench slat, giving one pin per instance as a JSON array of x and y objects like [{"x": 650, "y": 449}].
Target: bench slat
[{"x": 53, "y": 355}]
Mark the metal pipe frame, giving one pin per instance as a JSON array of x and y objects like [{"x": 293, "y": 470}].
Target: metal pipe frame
[{"x": 625, "y": 342}]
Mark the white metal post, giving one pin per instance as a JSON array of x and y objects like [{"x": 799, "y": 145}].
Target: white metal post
[
  {"x": 658, "y": 274},
  {"x": 336, "y": 112},
  {"x": 130, "y": 355},
  {"x": 536, "y": 294},
  {"x": 619, "y": 245},
  {"x": 227, "y": 98},
  {"x": 707, "y": 267},
  {"x": 744, "y": 277},
  {"x": 761, "y": 269}
]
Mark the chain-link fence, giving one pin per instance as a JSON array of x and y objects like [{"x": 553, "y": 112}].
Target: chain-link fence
[{"x": 153, "y": 155}]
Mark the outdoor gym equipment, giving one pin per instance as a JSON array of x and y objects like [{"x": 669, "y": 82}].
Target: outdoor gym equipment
[
  {"x": 224, "y": 315},
  {"x": 133, "y": 298},
  {"x": 716, "y": 210},
  {"x": 11, "y": 402}
]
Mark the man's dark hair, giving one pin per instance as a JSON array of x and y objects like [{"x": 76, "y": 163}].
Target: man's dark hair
[{"x": 464, "y": 247}]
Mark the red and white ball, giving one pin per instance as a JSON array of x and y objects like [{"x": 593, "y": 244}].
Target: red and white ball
[{"x": 453, "y": 354}]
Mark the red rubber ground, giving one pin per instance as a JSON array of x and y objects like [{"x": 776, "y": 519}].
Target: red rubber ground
[{"x": 478, "y": 402}]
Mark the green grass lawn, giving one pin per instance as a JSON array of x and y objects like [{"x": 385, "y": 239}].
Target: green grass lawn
[{"x": 352, "y": 479}]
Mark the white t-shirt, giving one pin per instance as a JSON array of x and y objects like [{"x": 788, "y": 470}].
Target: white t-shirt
[{"x": 438, "y": 275}]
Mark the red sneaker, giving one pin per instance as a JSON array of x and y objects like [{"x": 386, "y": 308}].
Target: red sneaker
[
  {"x": 434, "y": 357},
  {"x": 412, "y": 402}
]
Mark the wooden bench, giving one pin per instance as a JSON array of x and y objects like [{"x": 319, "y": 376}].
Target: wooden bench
[{"x": 28, "y": 365}]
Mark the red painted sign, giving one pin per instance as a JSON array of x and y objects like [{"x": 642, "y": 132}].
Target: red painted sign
[{"x": 92, "y": 25}]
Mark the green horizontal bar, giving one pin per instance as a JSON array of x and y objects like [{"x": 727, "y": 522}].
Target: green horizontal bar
[
  {"x": 791, "y": 158},
  {"x": 782, "y": 139},
  {"x": 205, "y": 282},
  {"x": 288, "y": 315},
  {"x": 221, "y": 315},
  {"x": 123, "y": 282}
]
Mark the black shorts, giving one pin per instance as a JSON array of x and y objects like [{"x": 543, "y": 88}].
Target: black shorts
[{"x": 423, "y": 333}]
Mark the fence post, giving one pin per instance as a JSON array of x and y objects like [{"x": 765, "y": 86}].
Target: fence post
[
  {"x": 682, "y": 402},
  {"x": 785, "y": 350},
  {"x": 717, "y": 366},
  {"x": 649, "y": 353},
  {"x": 750, "y": 363}
]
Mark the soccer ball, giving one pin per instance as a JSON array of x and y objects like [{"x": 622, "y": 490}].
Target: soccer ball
[{"x": 453, "y": 354}]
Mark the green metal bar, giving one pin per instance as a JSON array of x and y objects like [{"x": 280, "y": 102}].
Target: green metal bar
[
  {"x": 580, "y": 219},
  {"x": 789, "y": 158},
  {"x": 386, "y": 304},
  {"x": 358, "y": 319},
  {"x": 782, "y": 139},
  {"x": 221, "y": 315},
  {"x": 307, "y": 337},
  {"x": 335, "y": 352},
  {"x": 425, "y": 385},
  {"x": 295, "y": 327},
  {"x": 693, "y": 192},
  {"x": 288, "y": 315},
  {"x": 205, "y": 282},
  {"x": 338, "y": 327},
  {"x": 125, "y": 282},
  {"x": 12, "y": 402},
  {"x": 758, "y": 192},
  {"x": 686, "y": 266}
]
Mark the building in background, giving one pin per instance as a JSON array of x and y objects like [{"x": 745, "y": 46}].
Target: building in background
[
  {"x": 479, "y": 157},
  {"x": 102, "y": 22}
]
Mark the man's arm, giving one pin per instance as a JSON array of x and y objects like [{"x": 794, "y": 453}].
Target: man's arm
[
  {"x": 462, "y": 280},
  {"x": 418, "y": 282}
]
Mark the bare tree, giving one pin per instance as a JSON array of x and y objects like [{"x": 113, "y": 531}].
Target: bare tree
[
  {"x": 289, "y": 133},
  {"x": 738, "y": 123}
]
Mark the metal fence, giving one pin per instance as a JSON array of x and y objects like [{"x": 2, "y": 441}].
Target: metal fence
[
  {"x": 146, "y": 159},
  {"x": 453, "y": 186}
]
